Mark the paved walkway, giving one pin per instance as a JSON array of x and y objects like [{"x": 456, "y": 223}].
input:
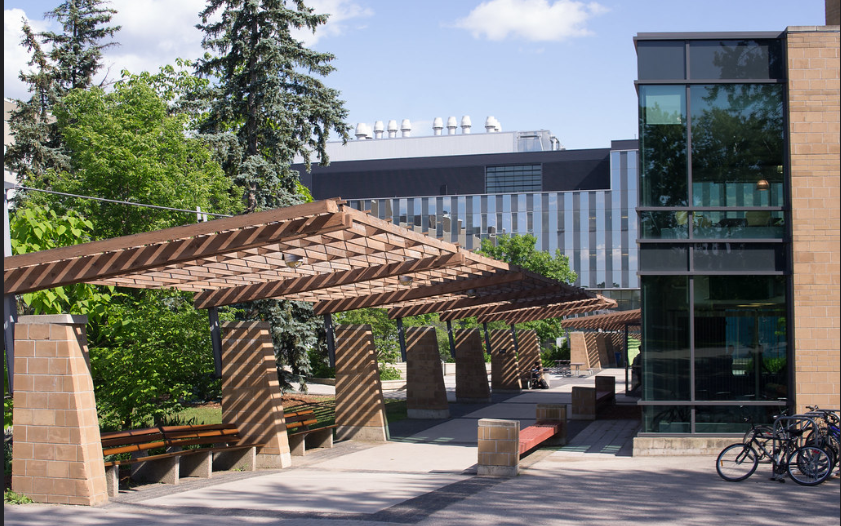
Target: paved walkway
[{"x": 426, "y": 475}]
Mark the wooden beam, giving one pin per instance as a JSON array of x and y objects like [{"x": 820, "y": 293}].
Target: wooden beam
[
  {"x": 484, "y": 311},
  {"x": 285, "y": 287},
  {"x": 388, "y": 298},
  {"x": 18, "y": 279},
  {"x": 552, "y": 311}
]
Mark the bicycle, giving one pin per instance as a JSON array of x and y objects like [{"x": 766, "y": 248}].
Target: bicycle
[
  {"x": 828, "y": 433},
  {"x": 806, "y": 464}
]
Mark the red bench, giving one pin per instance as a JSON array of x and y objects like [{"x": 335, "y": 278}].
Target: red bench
[{"x": 549, "y": 429}]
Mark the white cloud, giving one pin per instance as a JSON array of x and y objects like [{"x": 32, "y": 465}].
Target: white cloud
[
  {"x": 532, "y": 20},
  {"x": 154, "y": 33},
  {"x": 340, "y": 11}
]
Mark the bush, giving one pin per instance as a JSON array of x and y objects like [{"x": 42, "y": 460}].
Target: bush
[
  {"x": 319, "y": 366},
  {"x": 388, "y": 372}
]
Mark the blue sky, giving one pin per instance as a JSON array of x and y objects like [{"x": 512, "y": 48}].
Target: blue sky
[{"x": 558, "y": 65}]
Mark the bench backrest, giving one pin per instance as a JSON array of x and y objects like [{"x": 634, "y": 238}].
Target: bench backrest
[
  {"x": 605, "y": 383},
  {"x": 137, "y": 440},
  {"x": 302, "y": 418}
]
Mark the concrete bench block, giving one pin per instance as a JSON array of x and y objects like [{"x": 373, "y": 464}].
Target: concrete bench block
[
  {"x": 240, "y": 459},
  {"x": 162, "y": 470},
  {"x": 199, "y": 464}
]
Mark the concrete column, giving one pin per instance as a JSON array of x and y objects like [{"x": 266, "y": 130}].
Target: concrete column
[
  {"x": 505, "y": 374},
  {"x": 426, "y": 396},
  {"x": 499, "y": 448},
  {"x": 57, "y": 448},
  {"x": 471, "y": 374},
  {"x": 251, "y": 396},
  {"x": 605, "y": 352},
  {"x": 360, "y": 408}
]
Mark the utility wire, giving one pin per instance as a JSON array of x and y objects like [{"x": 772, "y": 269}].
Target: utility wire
[{"x": 19, "y": 187}]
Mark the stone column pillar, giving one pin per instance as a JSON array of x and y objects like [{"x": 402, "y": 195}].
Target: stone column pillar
[
  {"x": 499, "y": 448},
  {"x": 57, "y": 448},
  {"x": 529, "y": 354},
  {"x": 471, "y": 374},
  {"x": 251, "y": 397},
  {"x": 360, "y": 408},
  {"x": 426, "y": 396},
  {"x": 505, "y": 374}
]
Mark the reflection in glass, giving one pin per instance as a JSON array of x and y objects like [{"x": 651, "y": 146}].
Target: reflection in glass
[
  {"x": 664, "y": 225},
  {"x": 735, "y": 59},
  {"x": 663, "y": 181},
  {"x": 731, "y": 256},
  {"x": 740, "y": 338},
  {"x": 661, "y": 60},
  {"x": 666, "y": 418},
  {"x": 737, "y": 141},
  {"x": 665, "y": 331}
]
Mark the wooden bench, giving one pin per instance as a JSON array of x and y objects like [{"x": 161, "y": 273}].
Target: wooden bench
[
  {"x": 301, "y": 436},
  {"x": 549, "y": 429},
  {"x": 587, "y": 402},
  {"x": 168, "y": 467}
]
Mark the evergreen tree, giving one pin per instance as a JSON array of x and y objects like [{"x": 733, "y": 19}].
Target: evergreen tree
[
  {"x": 73, "y": 58},
  {"x": 265, "y": 95},
  {"x": 265, "y": 106},
  {"x": 37, "y": 146},
  {"x": 77, "y": 51}
]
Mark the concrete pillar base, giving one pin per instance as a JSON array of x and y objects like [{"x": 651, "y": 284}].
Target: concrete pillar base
[
  {"x": 283, "y": 460},
  {"x": 498, "y": 471},
  {"x": 361, "y": 433}
]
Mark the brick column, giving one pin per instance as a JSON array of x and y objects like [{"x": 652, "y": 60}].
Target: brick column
[
  {"x": 602, "y": 348},
  {"x": 554, "y": 414},
  {"x": 251, "y": 396},
  {"x": 57, "y": 449},
  {"x": 471, "y": 374},
  {"x": 578, "y": 349},
  {"x": 360, "y": 409},
  {"x": 813, "y": 91},
  {"x": 499, "y": 448},
  {"x": 426, "y": 396},
  {"x": 505, "y": 374},
  {"x": 529, "y": 354}
]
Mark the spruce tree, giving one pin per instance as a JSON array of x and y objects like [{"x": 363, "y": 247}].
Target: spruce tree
[
  {"x": 265, "y": 95},
  {"x": 267, "y": 104},
  {"x": 62, "y": 61}
]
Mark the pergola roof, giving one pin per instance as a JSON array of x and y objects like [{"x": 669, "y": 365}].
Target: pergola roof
[
  {"x": 614, "y": 321},
  {"x": 347, "y": 260}
]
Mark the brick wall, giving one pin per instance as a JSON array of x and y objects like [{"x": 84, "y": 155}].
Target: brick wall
[
  {"x": 471, "y": 374},
  {"x": 251, "y": 397},
  {"x": 813, "y": 62},
  {"x": 360, "y": 408},
  {"x": 57, "y": 448},
  {"x": 529, "y": 352},
  {"x": 499, "y": 447},
  {"x": 426, "y": 396},
  {"x": 505, "y": 371}
]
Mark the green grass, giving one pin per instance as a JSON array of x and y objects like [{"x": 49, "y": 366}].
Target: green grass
[{"x": 324, "y": 409}]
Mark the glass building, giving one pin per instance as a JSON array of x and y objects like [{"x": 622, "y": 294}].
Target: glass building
[
  {"x": 714, "y": 236},
  {"x": 577, "y": 202}
]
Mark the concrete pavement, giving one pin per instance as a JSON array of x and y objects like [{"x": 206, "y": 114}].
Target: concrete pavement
[{"x": 426, "y": 475}]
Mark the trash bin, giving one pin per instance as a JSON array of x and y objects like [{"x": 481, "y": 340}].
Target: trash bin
[{"x": 618, "y": 359}]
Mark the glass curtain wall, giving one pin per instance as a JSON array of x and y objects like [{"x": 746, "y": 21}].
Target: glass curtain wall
[{"x": 714, "y": 265}]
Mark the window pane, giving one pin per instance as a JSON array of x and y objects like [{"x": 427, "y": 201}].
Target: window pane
[
  {"x": 735, "y": 59},
  {"x": 730, "y": 419},
  {"x": 740, "y": 338},
  {"x": 751, "y": 224},
  {"x": 513, "y": 179},
  {"x": 737, "y": 145},
  {"x": 665, "y": 333},
  {"x": 661, "y": 60},
  {"x": 728, "y": 256},
  {"x": 666, "y": 418},
  {"x": 663, "y": 146},
  {"x": 664, "y": 257},
  {"x": 664, "y": 225}
]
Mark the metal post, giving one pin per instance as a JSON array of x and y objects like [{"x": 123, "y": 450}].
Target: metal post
[
  {"x": 215, "y": 339},
  {"x": 401, "y": 337},
  {"x": 626, "y": 360},
  {"x": 10, "y": 307},
  {"x": 331, "y": 342},
  {"x": 488, "y": 340},
  {"x": 452, "y": 340}
]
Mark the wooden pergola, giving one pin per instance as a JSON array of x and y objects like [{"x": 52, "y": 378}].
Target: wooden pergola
[{"x": 324, "y": 253}]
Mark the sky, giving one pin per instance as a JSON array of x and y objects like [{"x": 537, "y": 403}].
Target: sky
[{"x": 559, "y": 65}]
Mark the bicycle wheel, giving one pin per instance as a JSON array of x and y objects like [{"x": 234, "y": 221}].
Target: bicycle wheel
[
  {"x": 736, "y": 462},
  {"x": 809, "y": 465}
]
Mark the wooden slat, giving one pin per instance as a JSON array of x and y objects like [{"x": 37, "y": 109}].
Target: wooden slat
[{"x": 18, "y": 280}]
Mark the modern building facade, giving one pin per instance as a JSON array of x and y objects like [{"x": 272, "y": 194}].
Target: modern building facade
[
  {"x": 738, "y": 226},
  {"x": 472, "y": 186}
]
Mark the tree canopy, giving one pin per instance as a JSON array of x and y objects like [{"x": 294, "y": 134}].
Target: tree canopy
[{"x": 266, "y": 95}]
